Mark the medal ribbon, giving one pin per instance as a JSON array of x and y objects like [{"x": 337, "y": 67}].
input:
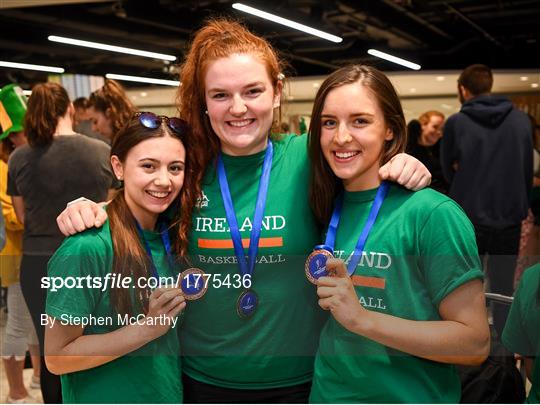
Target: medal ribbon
[
  {"x": 245, "y": 267},
  {"x": 372, "y": 217},
  {"x": 164, "y": 233}
]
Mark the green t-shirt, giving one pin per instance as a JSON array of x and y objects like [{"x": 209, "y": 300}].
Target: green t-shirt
[
  {"x": 150, "y": 374},
  {"x": 276, "y": 345},
  {"x": 421, "y": 248},
  {"x": 521, "y": 333}
]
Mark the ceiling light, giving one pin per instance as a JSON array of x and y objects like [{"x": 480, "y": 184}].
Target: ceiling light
[
  {"x": 523, "y": 78},
  {"x": 446, "y": 106},
  {"x": 144, "y": 93},
  {"x": 316, "y": 85},
  {"x": 111, "y": 48},
  {"x": 286, "y": 22},
  {"x": 142, "y": 79},
  {"x": 412, "y": 90},
  {"x": 394, "y": 59},
  {"x": 440, "y": 78},
  {"x": 534, "y": 85},
  {"x": 28, "y": 66}
]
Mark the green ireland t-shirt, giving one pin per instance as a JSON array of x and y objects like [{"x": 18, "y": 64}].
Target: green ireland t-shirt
[
  {"x": 150, "y": 374},
  {"x": 421, "y": 248},
  {"x": 521, "y": 333},
  {"x": 276, "y": 345}
]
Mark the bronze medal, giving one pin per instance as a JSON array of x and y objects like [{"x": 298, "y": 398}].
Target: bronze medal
[
  {"x": 315, "y": 266},
  {"x": 193, "y": 283}
]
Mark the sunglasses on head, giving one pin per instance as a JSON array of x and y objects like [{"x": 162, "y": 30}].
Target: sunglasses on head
[{"x": 152, "y": 121}]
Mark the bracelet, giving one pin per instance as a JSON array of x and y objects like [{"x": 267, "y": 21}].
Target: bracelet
[{"x": 80, "y": 199}]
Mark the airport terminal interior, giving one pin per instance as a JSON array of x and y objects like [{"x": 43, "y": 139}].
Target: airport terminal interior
[{"x": 422, "y": 47}]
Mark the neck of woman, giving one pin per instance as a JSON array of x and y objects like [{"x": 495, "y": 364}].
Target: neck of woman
[
  {"x": 64, "y": 127},
  {"x": 365, "y": 181}
]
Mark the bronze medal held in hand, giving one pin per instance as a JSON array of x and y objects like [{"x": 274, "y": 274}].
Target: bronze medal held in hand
[
  {"x": 315, "y": 266},
  {"x": 193, "y": 283}
]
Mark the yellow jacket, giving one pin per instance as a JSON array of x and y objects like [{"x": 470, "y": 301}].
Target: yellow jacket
[{"x": 10, "y": 256}]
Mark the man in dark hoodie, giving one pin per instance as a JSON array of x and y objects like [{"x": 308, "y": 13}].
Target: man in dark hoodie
[{"x": 487, "y": 157}]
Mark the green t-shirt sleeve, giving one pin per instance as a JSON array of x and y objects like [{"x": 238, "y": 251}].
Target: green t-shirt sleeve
[
  {"x": 449, "y": 255},
  {"x": 78, "y": 257},
  {"x": 514, "y": 335}
]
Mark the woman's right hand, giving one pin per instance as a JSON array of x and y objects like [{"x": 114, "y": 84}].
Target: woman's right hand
[
  {"x": 80, "y": 216},
  {"x": 165, "y": 305}
]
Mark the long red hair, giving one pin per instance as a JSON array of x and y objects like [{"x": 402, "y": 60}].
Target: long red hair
[{"x": 219, "y": 38}]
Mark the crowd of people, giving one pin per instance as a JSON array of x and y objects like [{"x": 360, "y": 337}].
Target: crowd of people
[{"x": 315, "y": 268}]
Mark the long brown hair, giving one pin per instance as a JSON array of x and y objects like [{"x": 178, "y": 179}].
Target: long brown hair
[
  {"x": 218, "y": 38},
  {"x": 324, "y": 184},
  {"x": 130, "y": 258},
  {"x": 112, "y": 101},
  {"x": 47, "y": 104}
]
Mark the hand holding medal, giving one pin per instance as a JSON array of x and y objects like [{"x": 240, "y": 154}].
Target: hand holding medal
[
  {"x": 337, "y": 295},
  {"x": 164, "y": 301}
]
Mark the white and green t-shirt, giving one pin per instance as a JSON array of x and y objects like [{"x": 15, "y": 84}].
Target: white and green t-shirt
[
  {"x": 421, "y": 248},
  {"x": 276, "y": 345},
  {"x": 150, "y": 374}
]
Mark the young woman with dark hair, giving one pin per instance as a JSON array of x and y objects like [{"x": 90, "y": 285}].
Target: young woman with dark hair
[
  {"x": 56, "y": 167},
  {"x": 109, "y": 109},
  {"x": 405, "y": 287},
  {"x": 134, "y": 243}
]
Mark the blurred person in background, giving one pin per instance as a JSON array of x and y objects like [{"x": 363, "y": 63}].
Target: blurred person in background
[
  {"x": 109, "y": 109},
  {"x": 424, "y": 144},
  {"x": 55, "y": 167},
  {"x": 82, "y": 122},
  {"x": 487, "y": 157},
  {"x": 19, "y": 331}
]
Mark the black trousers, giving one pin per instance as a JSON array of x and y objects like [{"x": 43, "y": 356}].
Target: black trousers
[
  {"x": 32, "y": 269},
  {"x": 196, "y": 392},
  {"x": 499, "y": 248}
]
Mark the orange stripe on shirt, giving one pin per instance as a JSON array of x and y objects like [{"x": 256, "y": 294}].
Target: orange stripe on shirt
[
  {"x": 374, "y": 282},
  {"x": 228, "y": 244}
]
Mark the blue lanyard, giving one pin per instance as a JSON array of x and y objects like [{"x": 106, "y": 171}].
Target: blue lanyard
[
  {"x": 372, "y": 217},
  {"x": 164, "y": 233},
  {"x": 246, "y": 268}
]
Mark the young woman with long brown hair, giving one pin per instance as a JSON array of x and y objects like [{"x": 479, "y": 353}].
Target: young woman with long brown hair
[
  {"x": 405, "y": 290},
  {"x": 149, "y": 157},
  {"x": 254, "y": 342}
]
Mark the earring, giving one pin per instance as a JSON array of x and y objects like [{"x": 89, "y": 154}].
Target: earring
[{"x": 206, "y": 112}]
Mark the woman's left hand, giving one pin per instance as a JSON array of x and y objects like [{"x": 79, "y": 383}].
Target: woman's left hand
[
  {"x": 407, "y": 171},
  {"x": 337, "y": 295}
]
